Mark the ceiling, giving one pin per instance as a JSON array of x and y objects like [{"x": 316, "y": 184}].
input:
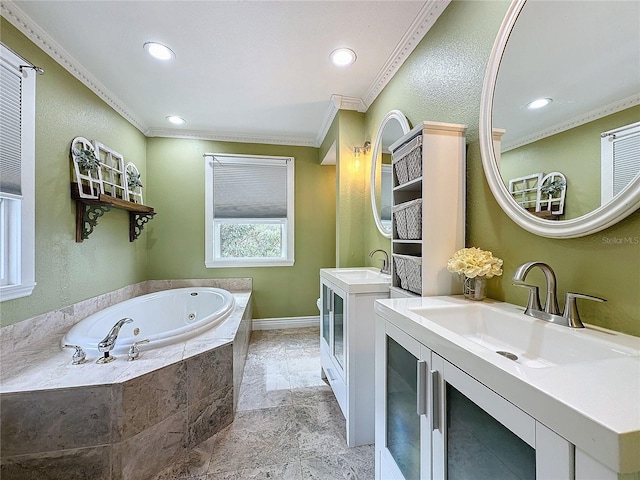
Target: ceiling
[
  {"x": 247, "y": 71},
  {"x": 584, "y": 55}
]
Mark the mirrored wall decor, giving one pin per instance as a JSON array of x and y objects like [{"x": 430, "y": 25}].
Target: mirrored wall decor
[
  {"x": 560, "y": 115},
  {"x": 393, "y": 126}
]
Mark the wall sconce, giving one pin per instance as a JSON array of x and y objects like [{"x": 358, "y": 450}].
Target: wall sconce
[{"x": 357, "y": 151}]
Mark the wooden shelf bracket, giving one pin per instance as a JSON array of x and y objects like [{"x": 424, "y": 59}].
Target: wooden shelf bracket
[
  {"x": 137, "y": 222},
  {"x": 87, "y": 216}
]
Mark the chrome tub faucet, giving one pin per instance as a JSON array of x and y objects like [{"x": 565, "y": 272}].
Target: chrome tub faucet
[
  {"x": 386, "y": 266},
  {"x": 108, "y": 342},
  {"x": 550, "y": 312}
]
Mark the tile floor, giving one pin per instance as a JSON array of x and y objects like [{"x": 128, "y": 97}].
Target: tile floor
[{"x": 288, "y": 425}]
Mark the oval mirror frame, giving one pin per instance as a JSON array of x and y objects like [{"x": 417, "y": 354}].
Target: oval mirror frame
[
  {"x": 623, "y": 205},
  {"x": 377, "y": 149}
]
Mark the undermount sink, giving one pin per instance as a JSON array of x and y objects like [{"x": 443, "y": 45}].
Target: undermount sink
[{"x": 525, "y": 340}]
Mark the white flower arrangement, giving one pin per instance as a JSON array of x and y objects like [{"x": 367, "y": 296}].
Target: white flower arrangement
[{"x": 473, "y": 262}]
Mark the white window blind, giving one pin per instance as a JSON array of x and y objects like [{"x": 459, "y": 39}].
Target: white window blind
[
  {"x": 249, "y": 204},
  {"x": 620, "y": 156},
  {"x": 10, "y": 126},
  {"x": 626, "y": 161},
  {"x": 17, "y": 175},
  {"x": 246, "y": 188}
]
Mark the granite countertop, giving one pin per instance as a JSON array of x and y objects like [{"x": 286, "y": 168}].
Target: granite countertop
[{"x": 595, "y": 405}]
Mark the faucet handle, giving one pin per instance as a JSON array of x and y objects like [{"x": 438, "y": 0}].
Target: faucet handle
[
  {"x": 534, "y": 297},
  {"x": 134, "y": 351},
  {"x": 571, "y": 313},
  {"x": 78, "y": 356}
]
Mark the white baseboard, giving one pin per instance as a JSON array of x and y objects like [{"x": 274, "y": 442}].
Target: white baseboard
[{"x": 289, "y": 322}]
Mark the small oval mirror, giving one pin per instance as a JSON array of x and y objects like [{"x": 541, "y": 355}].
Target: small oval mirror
[{"x": 393, "y": 126}]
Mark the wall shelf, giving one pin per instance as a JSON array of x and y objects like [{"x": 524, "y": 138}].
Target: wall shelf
[{"x": 89, "y": 210}]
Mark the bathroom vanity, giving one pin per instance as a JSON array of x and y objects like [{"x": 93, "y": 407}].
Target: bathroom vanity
[
  {"x": 347, "y": 338},
  {"x": 480, "y": 390}
]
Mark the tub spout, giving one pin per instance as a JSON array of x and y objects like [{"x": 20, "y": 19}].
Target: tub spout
[{"x": 107, "y": 344}]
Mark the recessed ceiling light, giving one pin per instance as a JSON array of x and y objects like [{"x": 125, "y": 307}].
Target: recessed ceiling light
[
  {"x": 159, "y": 51},
  {"x": 539, "y": 103},
  {"x": 341, "y": 57},
  {"x": 176, "y": 120}
]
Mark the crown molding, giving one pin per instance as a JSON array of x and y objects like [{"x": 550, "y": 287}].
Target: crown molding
[
  {"x": 338, "y": 102},
  {"x": 610, "y": 109},
  {"x": 426, "y": 18},
  {"x": 42, "y": 39},
  {"x": 230, "y": 137}
]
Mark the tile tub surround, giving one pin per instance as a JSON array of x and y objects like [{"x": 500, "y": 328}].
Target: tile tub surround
[{"x": 125, "y": 421}]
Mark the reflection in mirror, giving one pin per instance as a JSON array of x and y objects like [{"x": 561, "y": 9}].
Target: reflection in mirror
[
  {"x": 576, "y": 160},
  {"x": 393, "y": 126}
]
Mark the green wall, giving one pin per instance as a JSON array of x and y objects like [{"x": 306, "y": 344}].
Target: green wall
[
  {"x": 175, "y": 238},
  {"x": 442, "y": 81},
  {"x": 68, "y": 272},
  {"x": 575, "y": 153}
]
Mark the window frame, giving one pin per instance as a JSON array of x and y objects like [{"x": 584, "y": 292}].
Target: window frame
[
  {"x": 19, "y": 210},
  {"x": 212, "y": 247}
]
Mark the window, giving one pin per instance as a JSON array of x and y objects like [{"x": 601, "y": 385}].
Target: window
[
  {"x": 17, "y": 176},
  {"x": 249, "y": 210},
  {"x": 620, "y": 156}
]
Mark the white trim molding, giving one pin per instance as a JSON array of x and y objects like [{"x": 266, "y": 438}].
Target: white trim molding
[
  {"x": 42, "y": 39},
  {"x": 426, "y": 18},
  {"x": 231, "y": 137},
  {"x": 287, "y": 322},
  {"x": 591, "y": 116}
]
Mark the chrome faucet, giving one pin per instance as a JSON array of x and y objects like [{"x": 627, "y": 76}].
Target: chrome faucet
[
  {"x": 551, "y": 312},
  {"x": 385, "y": 261},
  {"x": 108, "y": 342}
]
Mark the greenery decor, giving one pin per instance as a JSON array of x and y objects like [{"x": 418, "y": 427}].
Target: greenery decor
[
  {"x": 552, "y": 188},
  {"x": 133, "y": 179},
  {"x": 86, "y": 159}
]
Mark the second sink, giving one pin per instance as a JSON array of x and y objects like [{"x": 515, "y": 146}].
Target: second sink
[{"x": 530, "y": 342}]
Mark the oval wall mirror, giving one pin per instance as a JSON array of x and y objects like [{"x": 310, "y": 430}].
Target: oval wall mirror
[
  {"x": 394, "y": 125},
  {"x": 570, "y": 168}
]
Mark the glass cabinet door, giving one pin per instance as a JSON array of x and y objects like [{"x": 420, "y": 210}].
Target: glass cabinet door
[
  {"x": 478, "y": 446},
  {"x": 483, "y": 435},
  {"x": 402, "y": 420},
  {"x": 326, "y": 313},
  {"x": 338, "y": 329}
]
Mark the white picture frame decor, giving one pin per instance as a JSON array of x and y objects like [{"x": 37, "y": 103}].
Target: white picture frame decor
[
  {"x": 88, "y": 179},
  {"x": 133, "y": 183}
]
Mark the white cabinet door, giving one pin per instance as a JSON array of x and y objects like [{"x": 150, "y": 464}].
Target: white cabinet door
[
  {"x": 434, "y": 421},
  {"x": 402, "y": 405}
]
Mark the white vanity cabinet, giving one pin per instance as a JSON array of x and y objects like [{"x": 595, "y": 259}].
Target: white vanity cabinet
[
  {"x": 428, "y": 208},
  {"x": 347, "y": 343},
  {"x": 436, "y": 422},
  {"x": 451, "y": 403}
]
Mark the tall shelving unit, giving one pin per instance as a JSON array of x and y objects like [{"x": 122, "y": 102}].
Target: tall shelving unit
[{"x": 436, "y": 185}]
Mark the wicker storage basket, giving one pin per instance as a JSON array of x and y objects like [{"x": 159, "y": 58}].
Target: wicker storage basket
[
  {"x": 408, "y": 220},
  {"x": 408, "y": 269},
  {"x": 407, "y": 161}
]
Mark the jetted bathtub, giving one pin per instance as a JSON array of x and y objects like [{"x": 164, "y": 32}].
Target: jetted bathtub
[{"x": 163, "y": 318}]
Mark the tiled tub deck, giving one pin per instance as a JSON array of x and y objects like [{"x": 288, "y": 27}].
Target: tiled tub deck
[{"x": 122, "y": 420}]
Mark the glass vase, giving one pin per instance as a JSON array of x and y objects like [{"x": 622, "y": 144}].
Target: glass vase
[{"x": 474, "y": 288}]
